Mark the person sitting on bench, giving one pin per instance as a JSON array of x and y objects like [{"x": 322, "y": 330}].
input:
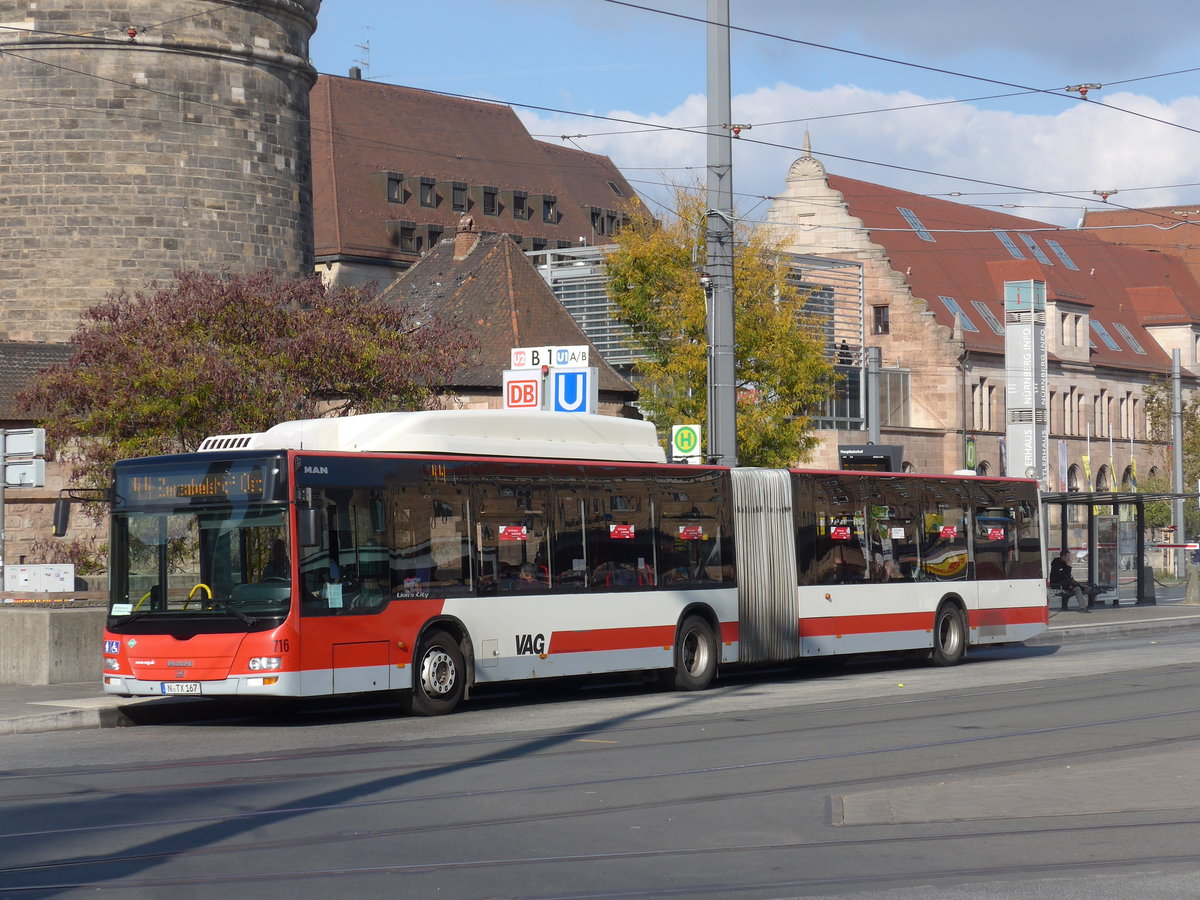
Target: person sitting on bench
[{"x": 1061, "y": 578}]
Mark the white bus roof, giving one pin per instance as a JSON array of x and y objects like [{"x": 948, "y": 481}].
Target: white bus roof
[{"x": 475, "y": 432}]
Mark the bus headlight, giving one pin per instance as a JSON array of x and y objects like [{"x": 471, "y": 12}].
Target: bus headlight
[
  {"x": 265, "y": 663},
  {"x": 112, "y": 664}
]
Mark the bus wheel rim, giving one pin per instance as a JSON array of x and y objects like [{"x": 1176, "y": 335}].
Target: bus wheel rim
[
  {"x": 695, "y": 653},
  {"x": 437, "y": 672}
]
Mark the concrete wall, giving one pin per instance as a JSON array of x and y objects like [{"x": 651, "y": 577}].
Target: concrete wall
[{"x": 50, "y": 646}]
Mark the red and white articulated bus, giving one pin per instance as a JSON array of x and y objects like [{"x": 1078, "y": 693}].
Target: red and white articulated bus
[{"x": 426, "y": 552}]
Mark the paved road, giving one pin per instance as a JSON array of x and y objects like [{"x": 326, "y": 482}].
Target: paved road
[{"x": 1060, "y": 769}]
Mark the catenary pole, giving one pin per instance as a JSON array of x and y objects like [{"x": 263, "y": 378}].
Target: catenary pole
[
  {"x": 722, "y": 399},
  {"x": 1177, "y": 473}
]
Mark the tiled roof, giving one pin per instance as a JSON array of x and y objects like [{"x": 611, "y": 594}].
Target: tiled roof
[
  {"x": 496, "y": 293},
  {"x": 362, "y": 130},
  {"x": 19, "y": 362},
  {"x": 956, "y": 251},
  {"x": 1173, "y": 230}
]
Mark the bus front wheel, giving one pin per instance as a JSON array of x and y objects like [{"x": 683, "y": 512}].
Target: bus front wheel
[
  {"x": 949, "y": 636},
  {"x": 439, "y": 675},
  {"x": 695, "y": 656}
]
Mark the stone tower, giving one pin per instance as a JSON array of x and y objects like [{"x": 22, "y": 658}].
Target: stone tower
[{"x": 140, "y": 137}]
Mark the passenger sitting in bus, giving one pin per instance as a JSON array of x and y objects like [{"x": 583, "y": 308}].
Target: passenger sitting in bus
[
  {"x": 277, "y": 567},
  {"x": 527, "y": 579}
]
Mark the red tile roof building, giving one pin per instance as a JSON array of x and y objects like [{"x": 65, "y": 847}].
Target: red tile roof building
[
  {"x": 934, "y": 274},
  {"x": 1166, "y": 229},
  {"x": 486, "y": 284},
  {"x": 394, "y": 168}
]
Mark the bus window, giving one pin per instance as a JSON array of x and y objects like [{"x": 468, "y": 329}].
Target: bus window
[
  {"x": 842, "y": 546},
  {"x": 575, "y": 515},
  {"x": 893, "y": 531},
  {"x": 695, "y": 536},
  {"x": 804, "y": 511},
  {"x": 511, "y": 534},
  {"x": 995, "y": 542},
  {"x": 347, "y": 573},
  {"x": 428, "y": 545},
  {"x": 944, "y": 539},
  {"x": 1029, "y": 541},
  {"x": 620, "y": 532}
]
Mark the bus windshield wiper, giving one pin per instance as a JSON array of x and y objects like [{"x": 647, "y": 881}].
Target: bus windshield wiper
[
  {"x": 249, "y": 620},
  {"x": 125, "y": 620}
]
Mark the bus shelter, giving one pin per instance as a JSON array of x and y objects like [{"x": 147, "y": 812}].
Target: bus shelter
[{"x": 1106, "y": 534}]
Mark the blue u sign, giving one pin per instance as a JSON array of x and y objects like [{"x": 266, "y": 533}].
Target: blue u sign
[{"x": 574, "y": 390}]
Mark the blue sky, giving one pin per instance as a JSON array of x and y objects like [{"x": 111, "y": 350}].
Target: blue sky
[{"x": 872, "y": 118}]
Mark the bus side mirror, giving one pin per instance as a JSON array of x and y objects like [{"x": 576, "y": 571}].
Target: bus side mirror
[
  {"x": 310, "y": 526},
  {"x": 62, "y": 516}
]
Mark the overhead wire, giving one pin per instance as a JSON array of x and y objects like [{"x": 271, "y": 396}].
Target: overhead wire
[{"x": 658, "y": 127}]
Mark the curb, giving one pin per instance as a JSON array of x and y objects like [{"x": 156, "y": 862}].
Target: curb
[
  {"x": 1106, "y": 630},
  {"x": 152, "y": 711}
]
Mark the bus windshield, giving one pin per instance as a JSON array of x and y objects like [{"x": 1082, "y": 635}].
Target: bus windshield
[{"x": 228, "y": 563}]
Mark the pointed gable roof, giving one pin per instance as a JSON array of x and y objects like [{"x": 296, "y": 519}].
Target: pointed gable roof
[
  {"x": 947, "y": 249},
  {"x": 489, "y": 286}
]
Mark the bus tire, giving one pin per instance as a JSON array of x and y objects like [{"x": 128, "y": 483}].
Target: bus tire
[
  {"x": 695, "y": 656},
  {"x": 949, "y": 636},
  {"x": 439, "y": 676}
]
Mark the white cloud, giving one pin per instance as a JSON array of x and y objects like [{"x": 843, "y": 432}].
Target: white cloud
[{"x": 1083, "y": 147}]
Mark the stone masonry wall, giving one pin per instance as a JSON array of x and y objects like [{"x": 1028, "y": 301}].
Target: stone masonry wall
[{"x": 128, "y": 159}]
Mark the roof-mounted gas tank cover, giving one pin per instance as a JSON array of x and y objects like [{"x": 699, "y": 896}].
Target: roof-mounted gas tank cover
[{"x": 485, "y": 432}]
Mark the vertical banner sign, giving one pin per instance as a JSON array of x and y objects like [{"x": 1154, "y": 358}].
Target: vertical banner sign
[{"x": 1025, "y": 364}]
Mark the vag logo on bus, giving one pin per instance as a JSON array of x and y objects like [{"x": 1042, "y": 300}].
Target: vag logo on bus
[
  {"x": 316, "y": 470},
  {"x": 530, "y": 643}
]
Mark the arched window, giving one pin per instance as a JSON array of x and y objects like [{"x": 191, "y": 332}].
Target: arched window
[
  {"x": 1104, "y": 479},
  {"x": 983, "y": 468},
  {"x": 1074, "y": 478}
]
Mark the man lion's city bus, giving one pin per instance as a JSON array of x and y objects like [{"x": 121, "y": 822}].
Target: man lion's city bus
[{"x": 423, "y": 553}]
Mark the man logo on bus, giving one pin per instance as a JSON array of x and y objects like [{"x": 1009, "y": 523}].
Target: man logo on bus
[{"x": 528, "y": 644}]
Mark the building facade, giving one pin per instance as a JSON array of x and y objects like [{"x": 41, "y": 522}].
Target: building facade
[
  {"x": 395, "y": 168},
  {"x": 934, "y": 274}
]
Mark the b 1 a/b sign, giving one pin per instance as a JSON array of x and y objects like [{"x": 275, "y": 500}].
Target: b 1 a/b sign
[{"x": 555, "y": 357}]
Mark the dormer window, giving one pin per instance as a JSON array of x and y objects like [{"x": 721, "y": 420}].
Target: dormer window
[
  {"x": 428, "y": 192},
  {"x": 520, "y": 205},
  {"x": 458, "y": 196},
  {"x": 491, "y": 201},
  {"x": 395, "y": 187}
]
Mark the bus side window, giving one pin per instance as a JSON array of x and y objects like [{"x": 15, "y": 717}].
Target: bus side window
[
  {"x": 428, "y": 540},
  {"x": 511, "y": 530}
]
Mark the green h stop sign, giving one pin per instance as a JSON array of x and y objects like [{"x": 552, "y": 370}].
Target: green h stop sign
[{"x": 685, "y": 441}]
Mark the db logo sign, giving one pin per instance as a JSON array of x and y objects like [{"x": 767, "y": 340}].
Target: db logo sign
[{"x": 522, "y": 393}]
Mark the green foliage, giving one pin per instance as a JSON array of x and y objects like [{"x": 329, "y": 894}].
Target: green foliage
[
  {"x": 1157, "y": 396},
  {"x": 781, "y": 373},
  {"x": 159, "y": 370}
]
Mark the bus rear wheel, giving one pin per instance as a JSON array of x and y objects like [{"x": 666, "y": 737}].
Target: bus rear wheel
[
  {"x": 949, "y": 636},
  {"x": 695, "y": 656},
  {"x": 439, "y": 675}
]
